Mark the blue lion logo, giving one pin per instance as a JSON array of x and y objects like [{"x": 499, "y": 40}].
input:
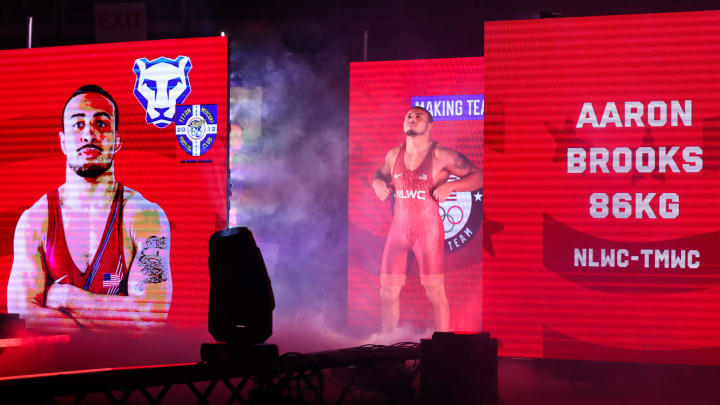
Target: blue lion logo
[{"x": 160, "y": 85}]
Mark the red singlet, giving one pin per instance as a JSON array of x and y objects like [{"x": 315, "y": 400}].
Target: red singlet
[
  {"x": 416, "y": 223},
  {"x": 107, "y": 273}
]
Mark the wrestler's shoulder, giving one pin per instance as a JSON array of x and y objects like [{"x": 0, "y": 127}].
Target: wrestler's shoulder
[
  {"x": 135, "y": 201},
  {"x": 38, "y": 210},
  {"x": 444, "y": 152},
  {"x": 392, "y": 153},
  {"x": 35, "y": 218},
  {"x": 439, "y": 148}
]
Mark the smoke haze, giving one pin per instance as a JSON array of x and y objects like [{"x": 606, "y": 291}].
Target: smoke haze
[{"x": 290, "y": 181}]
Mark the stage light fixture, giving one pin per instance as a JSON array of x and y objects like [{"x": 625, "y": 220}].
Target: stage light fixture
[{"x": 241, "y": 296}]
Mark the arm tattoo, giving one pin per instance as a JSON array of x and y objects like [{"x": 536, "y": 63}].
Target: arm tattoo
[
  {"x": 152, "y": 262},
  {"x": 462, "y": 163}
]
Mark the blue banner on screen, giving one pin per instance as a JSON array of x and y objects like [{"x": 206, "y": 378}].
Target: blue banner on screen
[{"x": 453, "y": 108}]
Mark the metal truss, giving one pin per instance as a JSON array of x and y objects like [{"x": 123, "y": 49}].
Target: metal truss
[{"x": 291, "y": 378}]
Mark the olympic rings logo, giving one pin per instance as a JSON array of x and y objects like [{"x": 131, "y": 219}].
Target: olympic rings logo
[{"x": 451, "y": 217}]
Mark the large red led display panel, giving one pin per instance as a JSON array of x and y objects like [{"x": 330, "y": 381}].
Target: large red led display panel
[
  {"x": 170, "y": 115},
  {"x": 601, "y": 165},
  {"x": 381, "y": 93}
]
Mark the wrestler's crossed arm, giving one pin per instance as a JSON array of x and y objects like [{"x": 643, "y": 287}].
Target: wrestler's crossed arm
[
  {"x": 149, "y": 279},
  {"x": 26, "y": 285}
]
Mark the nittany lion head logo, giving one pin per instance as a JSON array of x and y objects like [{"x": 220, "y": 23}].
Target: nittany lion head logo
[{"x": 160, "y": 85}]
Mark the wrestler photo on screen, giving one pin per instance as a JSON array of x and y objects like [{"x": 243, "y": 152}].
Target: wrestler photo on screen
[
  {"x": 92, "y": 253},
  {"x": 417, "y": 172}
]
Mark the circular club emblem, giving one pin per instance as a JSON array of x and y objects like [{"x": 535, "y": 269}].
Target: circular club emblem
[
  {"x": 461, "y": 214},
  {"x": 196, "y": 128}
]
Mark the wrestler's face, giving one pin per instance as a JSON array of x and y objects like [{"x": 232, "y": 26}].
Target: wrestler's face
[
  {"x": 88, "y": 138},
  {"x": 416, "y": 122}
]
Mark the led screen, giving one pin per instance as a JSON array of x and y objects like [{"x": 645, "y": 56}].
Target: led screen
[
  {"x": 601, "y": 170},
  {"x": 381, "y": 94},
  {"x": 113, "y": 173}
]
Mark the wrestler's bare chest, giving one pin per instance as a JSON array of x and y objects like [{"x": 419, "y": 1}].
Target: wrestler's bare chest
[
  {"x": 413, "y": 162},
  {"x": 84, "y": 229}
]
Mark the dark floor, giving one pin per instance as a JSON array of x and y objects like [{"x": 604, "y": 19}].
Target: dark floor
[
  {"x": 526, "y": 382},
  {"x": 520, "y": 382}
]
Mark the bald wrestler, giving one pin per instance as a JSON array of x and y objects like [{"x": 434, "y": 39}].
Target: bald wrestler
[
  {"x": 417, "y": 172},
  {"x": 92, "y": 253}
]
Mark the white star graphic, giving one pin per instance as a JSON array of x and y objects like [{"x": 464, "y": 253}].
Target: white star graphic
[{"x": 478, "y": 196}]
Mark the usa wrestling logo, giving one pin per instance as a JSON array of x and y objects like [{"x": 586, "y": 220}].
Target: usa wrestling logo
[
  {"x": 196, "y": 127},
  {"x": 462, "y": 215}
]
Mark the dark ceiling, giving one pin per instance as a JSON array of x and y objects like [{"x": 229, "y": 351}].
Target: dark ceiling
[{"x": 396, "y": 29}]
